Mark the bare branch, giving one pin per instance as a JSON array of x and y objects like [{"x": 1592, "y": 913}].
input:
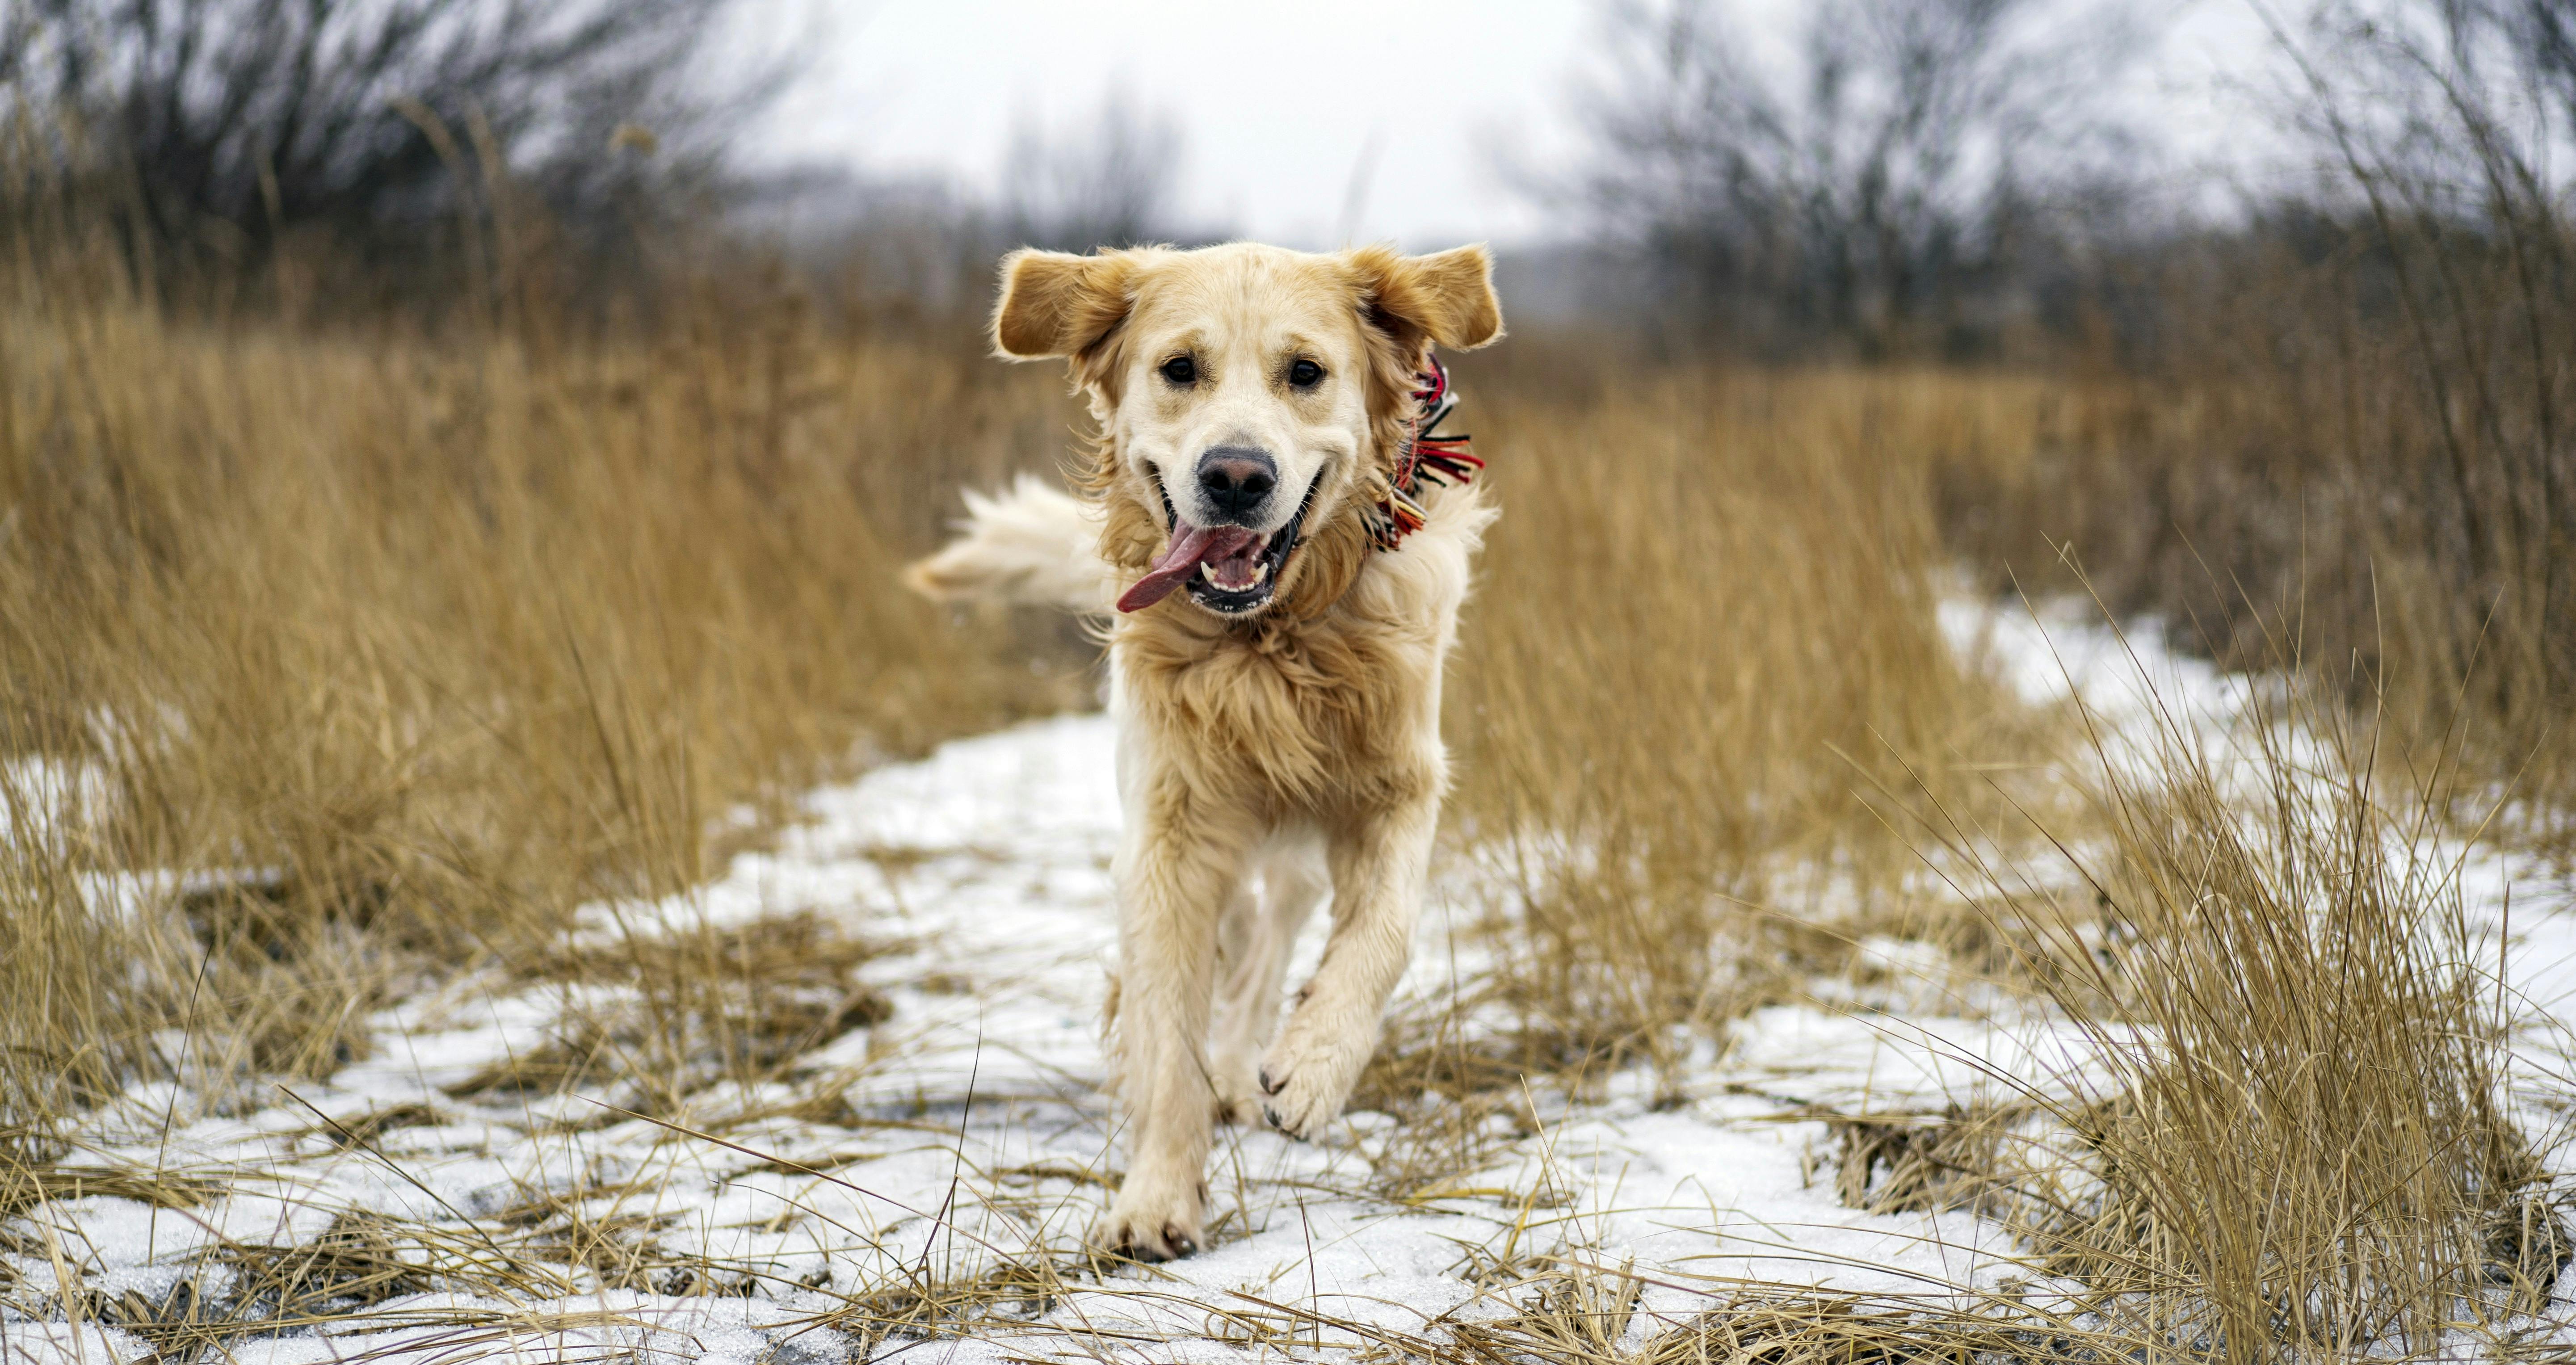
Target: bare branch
[
  {"x": 278, "y": 115},
  {"x": 1857, "y": 195}
]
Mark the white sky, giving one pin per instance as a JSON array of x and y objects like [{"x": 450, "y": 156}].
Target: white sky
[{"x": 1280, "y": 105}]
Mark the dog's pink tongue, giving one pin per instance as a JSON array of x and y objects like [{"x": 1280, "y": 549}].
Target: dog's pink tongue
[{"x": 1191, "y": 546}]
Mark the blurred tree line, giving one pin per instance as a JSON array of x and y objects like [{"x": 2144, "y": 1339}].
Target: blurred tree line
[
  {"x": 405, "y": 148},
  {"x": 1900, "y": 179},
  {"x": 219, "y": 132},
  {"x": 1910, "y": 176}
]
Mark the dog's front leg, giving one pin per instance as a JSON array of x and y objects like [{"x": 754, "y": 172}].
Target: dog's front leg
[
  {"x": 1183, "y": 861},
  {"x": 1252, "y": 961},
  {"x": 1378, "y": 866}
]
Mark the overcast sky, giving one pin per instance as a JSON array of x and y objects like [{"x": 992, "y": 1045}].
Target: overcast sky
[{"x": 1302, "y": 123}]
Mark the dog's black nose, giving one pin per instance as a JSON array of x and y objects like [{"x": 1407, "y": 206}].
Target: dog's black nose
[{"x": 1236, "y": 480}]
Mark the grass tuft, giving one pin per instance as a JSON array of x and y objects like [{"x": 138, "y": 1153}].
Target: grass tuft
[{"x": 2281, "y": 1132}]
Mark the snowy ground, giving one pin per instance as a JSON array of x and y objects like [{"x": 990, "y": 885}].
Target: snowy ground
[{"x": 970, "y": 1134}]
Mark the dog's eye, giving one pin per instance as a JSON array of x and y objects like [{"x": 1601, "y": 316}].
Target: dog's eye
[
  {"x": 1305, "y": 374},
  {"x": 1180, "y": 369}
]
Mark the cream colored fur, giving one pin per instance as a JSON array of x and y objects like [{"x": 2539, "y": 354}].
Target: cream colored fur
[
  {"x": 1033, "y": 543},
  {"x": 1265, "y": 758}
]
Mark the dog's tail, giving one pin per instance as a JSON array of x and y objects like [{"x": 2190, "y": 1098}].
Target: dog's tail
[{"x": 1031, "y": 543}]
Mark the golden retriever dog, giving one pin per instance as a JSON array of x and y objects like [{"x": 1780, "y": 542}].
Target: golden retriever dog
[{"x": 1283, "y": 585}]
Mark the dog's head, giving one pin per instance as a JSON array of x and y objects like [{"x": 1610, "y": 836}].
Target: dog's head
[{"x": 1251, "y": 400}]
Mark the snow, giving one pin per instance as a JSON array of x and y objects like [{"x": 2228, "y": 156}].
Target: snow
[{"x": 969, "y": 1131}]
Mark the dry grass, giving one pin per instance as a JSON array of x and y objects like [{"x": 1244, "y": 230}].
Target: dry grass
[
  {"x": 395, "y": 647},
  {"x": 2385, "y": 486},
  {"x": 1707, "y": 631},
  {"x": 1779, "y": 1325},
  {"x": 694, "y": 1008},
  {"x": 2284, "y": 1136}
]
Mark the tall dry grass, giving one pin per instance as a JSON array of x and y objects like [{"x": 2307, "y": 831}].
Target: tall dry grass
[
  {"x": 391, "y": 647},
  {"x": 2278, "y": 1127},
  {"x": 1705, "y": 639},
  {"x": 2350, "y": 428},
  {"x": 1704, "y": 683},
  {"x": 2299, "y": 478}
]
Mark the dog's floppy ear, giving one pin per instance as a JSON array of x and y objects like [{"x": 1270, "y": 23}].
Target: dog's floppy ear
[
  {"x": 1055, "y": 304},
  {"x": 1446, "y": 299}
]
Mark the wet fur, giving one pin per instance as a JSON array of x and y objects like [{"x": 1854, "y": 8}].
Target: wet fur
[{"x": 1294, "y": 749}]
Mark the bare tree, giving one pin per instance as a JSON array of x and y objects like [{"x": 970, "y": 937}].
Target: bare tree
[
  {"x": 1861, "y": 192},
  {"x": 368, "y": 117},
  {"x": 1107, "y": 183}
]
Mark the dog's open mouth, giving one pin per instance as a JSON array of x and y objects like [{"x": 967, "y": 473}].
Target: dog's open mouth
[{"x": 1228, "y": 569}]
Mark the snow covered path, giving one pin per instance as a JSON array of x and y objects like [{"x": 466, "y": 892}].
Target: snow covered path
[
  {"x": 958, "y": 1149},
  {"x": 969, "y": 1134}
]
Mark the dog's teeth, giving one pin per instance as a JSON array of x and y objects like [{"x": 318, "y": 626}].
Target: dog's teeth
[{"x": 1260, "y": 575}]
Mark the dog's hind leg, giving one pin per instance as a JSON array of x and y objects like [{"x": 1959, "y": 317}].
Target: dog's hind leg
[
  {"x": 1378, "y": 867},
  {"x": 1253, "y": 945},
  {"x": 1182, "y": 862}
]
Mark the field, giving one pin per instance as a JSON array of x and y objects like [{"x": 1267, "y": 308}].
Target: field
[{"x": 494, "y": 865}]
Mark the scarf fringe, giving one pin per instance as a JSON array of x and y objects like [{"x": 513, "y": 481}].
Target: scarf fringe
[{"x": 1441, "y": 461}]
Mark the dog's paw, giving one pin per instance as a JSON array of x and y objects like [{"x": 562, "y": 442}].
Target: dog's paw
[
  {"x": 1150, "y": 1224},
  {"x": 1236, "y": 1078},
  {"x": 1308, "y": 1074}
]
